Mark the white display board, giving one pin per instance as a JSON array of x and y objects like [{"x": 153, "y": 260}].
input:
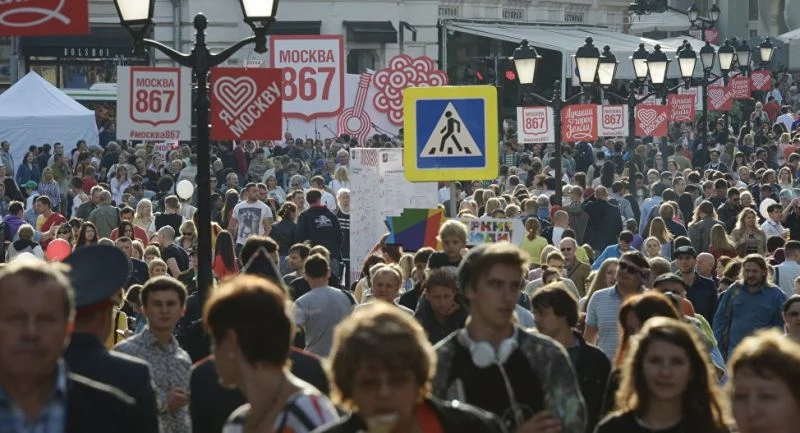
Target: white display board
[
  {"x": 154, "y": 104},
  {"x": 378, "y": 189}
]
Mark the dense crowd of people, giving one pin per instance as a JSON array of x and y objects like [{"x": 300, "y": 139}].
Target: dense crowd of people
[{"x": 659, "y": 292}]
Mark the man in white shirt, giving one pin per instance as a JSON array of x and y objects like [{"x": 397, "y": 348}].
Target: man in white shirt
[
  {"x": 786, "y": 272},
  {"x": 786, "y": 117},
  {"x": 250, "y": 217},
  {"x": 327, "y": 198},
  {"x": 772, "y": 226}
]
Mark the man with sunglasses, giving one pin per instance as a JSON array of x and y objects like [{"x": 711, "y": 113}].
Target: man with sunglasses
[
  {"x": 574, "y": 269},
  {"x": 633, "y": 275}
]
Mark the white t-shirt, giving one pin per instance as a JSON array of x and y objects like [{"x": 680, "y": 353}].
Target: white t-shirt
[
  {"x": 251, "y": 218},
  {"x": 329, "y": 201}
]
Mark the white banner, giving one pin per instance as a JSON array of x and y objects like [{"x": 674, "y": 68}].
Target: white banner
[
  {"x": 612, "y": 120},
  {"x": 535, "y": 125},
  {"x": 154, "y": 103},
  {"x": 696, "y": 92},
  {"x": 313, "y": 74}
]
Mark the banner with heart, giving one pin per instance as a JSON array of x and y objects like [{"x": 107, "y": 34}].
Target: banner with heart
[
  {"x": 720, "y": 98},
  {"x": 246, "y": 104},
  {"x": 681, "y": 107},
  {"x": 761, "y": 80},
  {"x": 740, "y": 86},
  {"x": 579, "y": 123},
  {"x": 652, "y": 120}
]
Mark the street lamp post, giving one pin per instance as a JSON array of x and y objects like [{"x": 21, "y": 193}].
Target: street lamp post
[
  {"x": 587, "y": 58},
  {"x": 137, "y": 17},
  {"x": 703, "y": 23},
  {"x": 655, "y": 66},
  {"x": 726, "y": 54}
]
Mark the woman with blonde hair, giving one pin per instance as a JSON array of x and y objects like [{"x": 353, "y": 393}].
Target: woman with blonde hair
[
  {"x": 341, "y": 179},
  {"x": 533, "y": 242},
  {"x": 606, "y": 276},
  {"x": 747, "y": 236},
  {"x": 188, "y": 236},
  {"x": 492, "y": 205},
  {"x": 143, "y": 218},
  {"x": 406, "y": 264},
  {"x": 651, "y": 248},
  {"x": 720, "y": 243},
  {"x": 785, "y": 178},
  {"x": 688, "y": 401},
  {"x": 658, "y": 230}
]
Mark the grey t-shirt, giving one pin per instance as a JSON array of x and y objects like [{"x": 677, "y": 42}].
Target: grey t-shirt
[{"x": 318, "y": 312}]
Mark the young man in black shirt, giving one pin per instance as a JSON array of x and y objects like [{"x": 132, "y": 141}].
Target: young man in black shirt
[{"x": 524, "y": 378}]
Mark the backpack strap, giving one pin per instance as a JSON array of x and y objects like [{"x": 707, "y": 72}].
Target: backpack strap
[{"x": 726, "y": 330}]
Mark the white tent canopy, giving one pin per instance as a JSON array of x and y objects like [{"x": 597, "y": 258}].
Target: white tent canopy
[
  {"x": 669, "y": 21},
  {"x": 790, "y": 36},
  {"x": 567, "y": 40},
  {"x": 34, "y": 112}
]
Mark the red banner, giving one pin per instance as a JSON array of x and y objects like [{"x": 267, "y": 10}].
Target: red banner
[
  {"x": 720, "y": 98},
  {"x": 681, "y": 108},
  {"x": 44, "y": 17},
  {"x": 246, "y": 104},
  {"x": 761, "y": 81},
  {"x": 740, "y": 87},
  {"x": 579, "y": 123},
  {"x": 652, "y": 120}
]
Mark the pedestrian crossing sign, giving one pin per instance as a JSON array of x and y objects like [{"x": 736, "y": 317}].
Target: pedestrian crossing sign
[{"x": 450, "y": 133}]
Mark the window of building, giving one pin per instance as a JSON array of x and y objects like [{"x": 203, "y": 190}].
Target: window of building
[
  {"x": 359, "y": 60},
  {"x": 574, "y": 16},
  {"x": 448, "y": 11},
  {"x": 753, "y": 33},
  {"x": 753, "y": 10},
  {"x": 517, "y": 14}
]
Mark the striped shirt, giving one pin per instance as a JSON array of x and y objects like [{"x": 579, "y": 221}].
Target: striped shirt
[
  {"x": 601, "y": 313},
  {"x": 51, "y": 419},
  {"x": 304, "y": 412}
]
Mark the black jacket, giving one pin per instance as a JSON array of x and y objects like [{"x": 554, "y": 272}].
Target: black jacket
[
  {"x": 605, "y": 223},
  {"x": 593, "y": 368},
  {"x": 94, "y": 407},
  {"x": 320, "y": 226},
  {"x": 87, "y": 357},
  {"x": 211, "y": 404},
  {"x": 454, "y": 417}
]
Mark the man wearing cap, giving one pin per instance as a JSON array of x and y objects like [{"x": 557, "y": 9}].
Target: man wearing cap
[
  {"x": 98, "y": 273},
  {"x": 700, "y": 291}
]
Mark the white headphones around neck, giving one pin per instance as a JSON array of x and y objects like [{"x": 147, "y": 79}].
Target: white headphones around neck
[{"x": 483, "y": 354}]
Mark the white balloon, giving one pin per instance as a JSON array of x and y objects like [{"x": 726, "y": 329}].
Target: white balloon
[{"x": 184, "y": 189}]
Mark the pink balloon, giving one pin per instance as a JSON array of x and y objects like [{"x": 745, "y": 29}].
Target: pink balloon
[{"x": 58, "y": 250}]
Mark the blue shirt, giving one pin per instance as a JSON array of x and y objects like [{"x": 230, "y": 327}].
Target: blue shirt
[
  {"x": 51, "y": 419},
  {"x": 751, "y": 311},
  {"x": 611, "y": 252}
]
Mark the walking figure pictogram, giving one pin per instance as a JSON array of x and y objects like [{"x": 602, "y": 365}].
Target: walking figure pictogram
[{"x": 453, "y": 127}]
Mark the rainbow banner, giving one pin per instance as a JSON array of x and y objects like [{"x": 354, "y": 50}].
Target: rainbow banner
[{"x": 415, "y": 228}]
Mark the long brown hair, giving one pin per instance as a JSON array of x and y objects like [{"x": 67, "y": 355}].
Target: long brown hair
[
  {"x": 645, "y": 306},
  {"x": 703, "y": 404}
]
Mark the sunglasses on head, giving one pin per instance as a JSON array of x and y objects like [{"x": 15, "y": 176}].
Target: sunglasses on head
[{"x": 626, "y": 267}]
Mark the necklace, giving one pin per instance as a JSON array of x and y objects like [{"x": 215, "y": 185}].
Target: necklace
[{"x": 252, "y": 424}]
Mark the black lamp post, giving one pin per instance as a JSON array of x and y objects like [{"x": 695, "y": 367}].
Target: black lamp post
[
  {"x": 655, "y": 66},
  {"x": 137, "y": 17},
  {"x": 587, "y": 58},
  {"x": 726, "y": 54},
  {"x": 766, "y": 50},
  {"x": 703, "y": 23}
]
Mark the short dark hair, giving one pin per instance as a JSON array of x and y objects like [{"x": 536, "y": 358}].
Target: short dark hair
[
  {"x": 556, "y": 296},
  {"x": 442, "y": 277},
  {"x": 318, "y": 180},
  {"x": 316, "y": 266},
  {"x": 254, "y": 309},
  {"x": 15, "y": 207},
  {"x": 313, "y": 196},
  {"x": 625, "y": 236},
  {"x": 423, "y": 254},
  {"x": 302, "y": 249},
  {"x": 43, "y": 199},
  {"x": 253, "y": 243},
  {"x": 162, "y": 284},
  {"x": 732, "y": 192},
  {"x": 792, "y": 245}
]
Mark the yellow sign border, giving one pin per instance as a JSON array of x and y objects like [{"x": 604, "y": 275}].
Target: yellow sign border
[{"x": 415, "y": 174}]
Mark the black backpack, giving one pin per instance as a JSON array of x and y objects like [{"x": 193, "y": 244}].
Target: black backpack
[{"x": 3, "y": 239}]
